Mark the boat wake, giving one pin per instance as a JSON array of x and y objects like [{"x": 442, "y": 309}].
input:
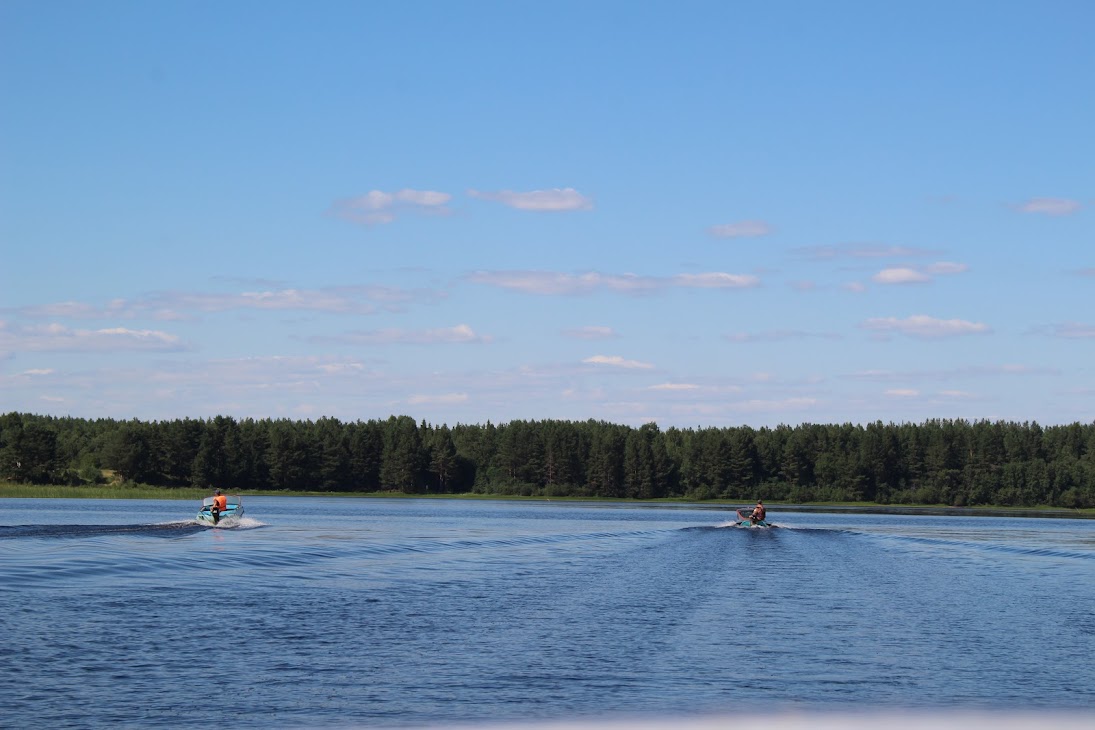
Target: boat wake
[
  {"x": 243, "y": 523},
  {"x": 163, "y": 529},
  {"x": 160, "y": 529}
]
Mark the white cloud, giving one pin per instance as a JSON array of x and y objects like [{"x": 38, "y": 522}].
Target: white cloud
[
  {"x": 741, "y": 229},
  {"x": 1049, "y": 206},
  {"x": 459, "y": 334},
  {"x": 921, "y": 325},
  {"x": 443, "y": 399},
  {"x": 540, "y": 282},
  {"x": 861, "y": 251},
  {"x": 902, "y": 392},
  {"x": 376, "y": 206},
  {"x": 901, "y": 275},
  {"x": 558, "y": 283},
  {"x": 674, "y": 386},
  {"x": 918, "y": 275},
  {"x": 715, "y": 280},
  {"x": 58, "y": 338},
  {"x": 556, "y": 199},
  {"x": 591, "y": 332},
  {"x": 617, "y": 361}
]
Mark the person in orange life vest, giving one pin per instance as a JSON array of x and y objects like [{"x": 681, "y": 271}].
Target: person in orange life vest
[
  {"x": 220, "y": 504},
  {"x": 758, "y": 513}
]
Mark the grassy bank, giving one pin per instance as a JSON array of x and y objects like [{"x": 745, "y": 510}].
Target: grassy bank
[{"x": 142, "y": 491}]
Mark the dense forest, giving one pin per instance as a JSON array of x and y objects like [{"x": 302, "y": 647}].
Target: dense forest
[{"x": 952, "y": 462}]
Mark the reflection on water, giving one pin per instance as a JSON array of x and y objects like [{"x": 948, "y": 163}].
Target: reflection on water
[{"x": 419, "y": 612}]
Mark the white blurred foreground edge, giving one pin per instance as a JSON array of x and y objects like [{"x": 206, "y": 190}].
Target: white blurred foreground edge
[{"x": 957, "y": 720}]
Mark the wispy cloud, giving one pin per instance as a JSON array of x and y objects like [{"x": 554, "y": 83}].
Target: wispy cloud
[
  {"x": 741, "y": 229},
  {"x": 673, "y": 386},
  {"x": 778, "y": 336},
  {"x": 114, "y": 309},
  {"x": 558, "y": 283},
  {"x": 946, "y": 267},
  {"x": 377, "y": 206},
  {"x": 784, "y": 404},
  {"x": 617, "y": 361},
  {"x": 444, "y": 399},
  {"x": 975, "y": 372},
  {"x": 902, "y": 393},
  {"x": 591, "y": 332},
  {"x": 920, "y": 325},
  {"x": 862, "y": 251},
  {"x": 1048, "y": 206},
  {"x": 956, "y": 394},
  {"x": 555, "y": 199},
  {"x": 460, "y": 334},
  {"x": 714, "y": 280},
  {"x": 27, "y": 377},
  {"x": 1068, "y": 330},
  {"x": 174, "y": 305},
  {"x": 58, "y": 338}
]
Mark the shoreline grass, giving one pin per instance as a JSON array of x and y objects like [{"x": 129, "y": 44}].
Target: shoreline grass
[{"x": 139, "y": 491}]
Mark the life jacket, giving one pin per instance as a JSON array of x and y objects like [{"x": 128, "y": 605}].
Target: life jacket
[{"x": 220, "y": 503}]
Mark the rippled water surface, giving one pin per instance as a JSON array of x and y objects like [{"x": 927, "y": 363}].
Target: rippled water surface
[{"x": 353, "y": 612}]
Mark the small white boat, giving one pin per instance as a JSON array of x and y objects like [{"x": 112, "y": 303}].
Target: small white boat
[{"x": 231, "y": 513}]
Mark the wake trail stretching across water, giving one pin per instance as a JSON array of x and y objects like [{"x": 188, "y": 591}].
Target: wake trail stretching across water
[
  {"x": 159, "y": 529},
  {"x": 164, "y": 529}
]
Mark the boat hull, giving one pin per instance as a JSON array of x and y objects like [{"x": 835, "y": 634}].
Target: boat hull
[
  {"x": 744, "y": 520},
  {"x": 227, "y": 517}
]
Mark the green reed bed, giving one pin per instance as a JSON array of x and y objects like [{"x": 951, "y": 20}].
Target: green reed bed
[{"x": 120, "y": 491}]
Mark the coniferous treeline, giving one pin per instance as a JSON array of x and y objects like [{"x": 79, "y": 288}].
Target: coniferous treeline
[{"x": 937, "y": 462}]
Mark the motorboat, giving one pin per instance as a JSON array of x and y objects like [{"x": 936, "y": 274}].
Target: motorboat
[{"x": 232, "y": 512}]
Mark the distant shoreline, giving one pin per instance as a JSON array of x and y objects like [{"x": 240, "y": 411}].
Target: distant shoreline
[
  {"x": 933, "y": 510},
  {"x": 34, "y": 491}
]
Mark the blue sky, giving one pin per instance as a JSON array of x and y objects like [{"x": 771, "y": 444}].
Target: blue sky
[{"x": 694, "y": 213}]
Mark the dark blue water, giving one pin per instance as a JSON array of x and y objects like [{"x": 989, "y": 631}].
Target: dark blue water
[{"x": 347, "y": 612}]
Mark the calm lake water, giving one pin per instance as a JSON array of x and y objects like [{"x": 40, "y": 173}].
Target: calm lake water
[{"x": 379, "y": 613}]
